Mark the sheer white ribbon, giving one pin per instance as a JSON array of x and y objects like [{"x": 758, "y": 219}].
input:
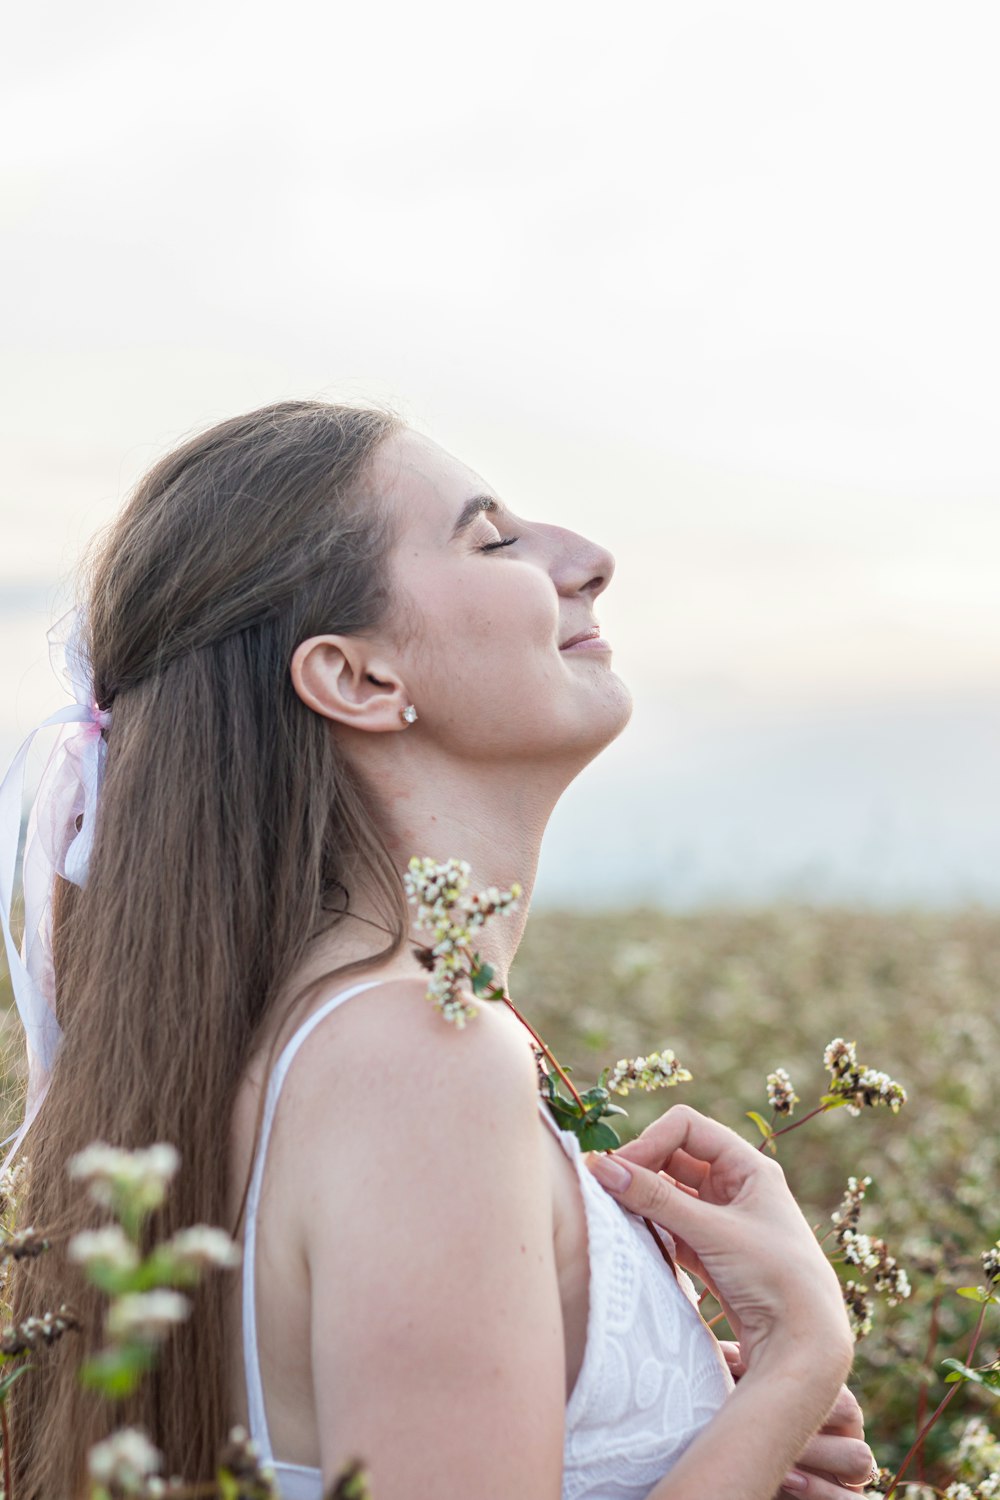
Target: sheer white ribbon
[{"x": 59, "y": 840}]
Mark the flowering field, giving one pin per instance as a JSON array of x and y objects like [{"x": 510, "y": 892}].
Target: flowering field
[{"x": 737, "y": 995}]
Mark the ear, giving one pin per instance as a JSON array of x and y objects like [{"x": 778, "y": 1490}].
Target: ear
[{"x": 345, "y": 679}]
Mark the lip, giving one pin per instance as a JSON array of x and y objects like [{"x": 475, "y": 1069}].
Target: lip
[{"x": 586, "y": 640}]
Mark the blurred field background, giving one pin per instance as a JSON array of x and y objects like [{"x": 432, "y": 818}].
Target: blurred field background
[{"x": 738, "y": 993}]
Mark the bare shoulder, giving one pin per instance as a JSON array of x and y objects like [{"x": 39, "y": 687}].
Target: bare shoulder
[
  {"x": 424, "y": 1197},
  {"x": 388, "y": 1049}
]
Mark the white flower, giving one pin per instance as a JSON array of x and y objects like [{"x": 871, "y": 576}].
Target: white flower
[
  {"x": 125, "y": 1460},
  {"x": 204, "y": 1245},
  {"x": 780, "y": 1093},
  {"x": 658, "y": 1070},
  {"x": 113, "y": 1174},
  {"x": 978, "y": 1450},
  {"x": 109, "y": 1246},
  {"x": 840, "y": 1056},
  {"x": 146, "y": 1316}
]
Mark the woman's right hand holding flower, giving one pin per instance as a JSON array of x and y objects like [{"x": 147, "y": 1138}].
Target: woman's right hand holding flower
[{"x": 739, "y": 1230}]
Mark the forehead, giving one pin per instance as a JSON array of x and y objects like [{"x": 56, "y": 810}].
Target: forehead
[{"x": 423, "y": 485}]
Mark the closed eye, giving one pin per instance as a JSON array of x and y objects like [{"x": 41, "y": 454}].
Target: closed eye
[{"x": 505, "y": 541}]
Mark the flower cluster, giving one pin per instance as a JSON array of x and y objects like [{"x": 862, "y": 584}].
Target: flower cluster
[
  {"x": 125, "y": 1463},
  {"x": 865, "y": 1251},
  {"x": 34, "y": 1332},
  {"x": 119, "y": 1179},
  {"x": 145, "y": 1305},
  {"x": 659, "y": 1070},
  {"x": 986, "y": 1489},
  {"x": 857, "y": 1085},
  {"x": 25, "y": 1244},
  {"x": 871, "y": 1254},
  {"x": 107, "y": 1247},
  {"x": 203, "y": 1247},
  {"x": 10, "y": 1182},
  {"x": 438, "y": 891},
  {"x": 353, "y": 1483},
  {"x": 859, "y": 1309},
  {"x": 991, "y": 1263},
  {"x": 146, "y": 1317},
  {"x": 978, "y": 1452},
  {"x": 241, "y": 1458},
  {"x": 780, "y": 1094},
  {"x": 849, "y": 1213}
]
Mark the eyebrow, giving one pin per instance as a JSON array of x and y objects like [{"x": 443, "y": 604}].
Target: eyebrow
[{"x": 471, "y": 509}]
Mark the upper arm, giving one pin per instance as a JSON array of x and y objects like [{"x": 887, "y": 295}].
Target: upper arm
[{"x": 437, "y": 1343}]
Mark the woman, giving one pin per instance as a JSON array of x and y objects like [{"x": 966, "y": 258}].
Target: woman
[{"x": 320, "y": 645}]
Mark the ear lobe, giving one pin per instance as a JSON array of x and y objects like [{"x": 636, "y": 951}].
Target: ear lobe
[{"x": 331, "y": 675}]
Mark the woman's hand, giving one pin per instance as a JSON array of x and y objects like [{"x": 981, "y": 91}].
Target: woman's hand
[
  {"x": 836, "y": 1458},
  {"x": 739, "y": 1230}
]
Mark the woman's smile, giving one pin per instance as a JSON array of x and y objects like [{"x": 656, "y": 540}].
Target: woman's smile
[{"x": 589, "y": 640}]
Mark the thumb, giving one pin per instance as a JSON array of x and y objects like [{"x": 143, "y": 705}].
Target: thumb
[{"x": 651, "y": 1195}]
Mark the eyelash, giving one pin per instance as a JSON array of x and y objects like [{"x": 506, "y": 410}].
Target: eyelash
[{"x": 503, "y": 542}]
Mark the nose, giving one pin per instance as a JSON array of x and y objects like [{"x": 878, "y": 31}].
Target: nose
[{"x": 579, "y": 566}]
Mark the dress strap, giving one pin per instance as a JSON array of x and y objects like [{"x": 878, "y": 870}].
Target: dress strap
[{"x": 251, "y": 1361}]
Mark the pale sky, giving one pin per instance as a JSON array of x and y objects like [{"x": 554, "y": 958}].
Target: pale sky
[{"x": 715, "y": 284}]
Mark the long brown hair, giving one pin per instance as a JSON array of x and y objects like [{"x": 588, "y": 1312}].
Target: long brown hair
[{"x": 228, "y": 828}]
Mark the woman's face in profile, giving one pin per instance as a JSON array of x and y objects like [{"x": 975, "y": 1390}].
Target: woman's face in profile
[{"x": 485, "y": 603}]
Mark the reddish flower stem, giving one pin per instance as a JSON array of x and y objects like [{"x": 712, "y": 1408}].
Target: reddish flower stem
[
  {"x": 932, "y": 1338},
  {"x": 498, "y": 994},
  {"x": 946, "y": 1400},
  {"x": 820, "y": 1109}
]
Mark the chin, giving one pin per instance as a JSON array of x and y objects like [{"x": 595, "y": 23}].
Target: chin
[{"x": 609, "y": 712}]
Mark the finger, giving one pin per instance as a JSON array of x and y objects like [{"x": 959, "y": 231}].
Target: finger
[
  {"x": 734, "y": 1359},
  {"x": 684, "y": 1167},
  {"x": 804, "y": 1485},
  {"x": 844, "y": 1459},
  {"x": 651, "y": 1195},
  {"x": 684, "y": 1129},
  {"x": 846, "y": 1419}
]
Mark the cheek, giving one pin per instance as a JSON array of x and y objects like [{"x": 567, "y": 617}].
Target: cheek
[{"x": 496, "y": 619}]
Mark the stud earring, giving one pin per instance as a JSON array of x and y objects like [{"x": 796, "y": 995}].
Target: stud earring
[{"x": 408, "y": 714}]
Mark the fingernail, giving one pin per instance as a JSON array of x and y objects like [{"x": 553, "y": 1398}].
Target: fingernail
[
  {"x": 795, "y": 1481},
  {"x": 610, "y": 1173}
]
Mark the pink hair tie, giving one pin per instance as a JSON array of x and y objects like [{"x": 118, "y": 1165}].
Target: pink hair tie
[{"x": 59, "y": 840}]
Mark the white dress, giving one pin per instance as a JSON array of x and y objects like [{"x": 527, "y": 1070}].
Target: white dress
[{"x": 652, "y": 1372}]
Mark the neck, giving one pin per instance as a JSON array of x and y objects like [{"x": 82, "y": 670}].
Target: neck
[{"x": 491, "y": 817}]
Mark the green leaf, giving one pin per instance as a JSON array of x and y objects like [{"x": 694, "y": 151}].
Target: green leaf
[
  {"x": 481, "y": 977},
  {"x": 596, "y": 1095},
  {"x": 8, "y": 1380},
  {"x": 594, "y": 1135},
  {"x": 988, "y": 1379},
  {"x": 762, "y": 1125},
  {"x": 110, "y": 1279},
  {"x": 163, "y": 1268},
  {"x": 974, "y": 1294},
  {"x": 229, "y": 1485},
  {"x": 834, "y": 1101},
  {"x": 117, "y": 1371}
]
